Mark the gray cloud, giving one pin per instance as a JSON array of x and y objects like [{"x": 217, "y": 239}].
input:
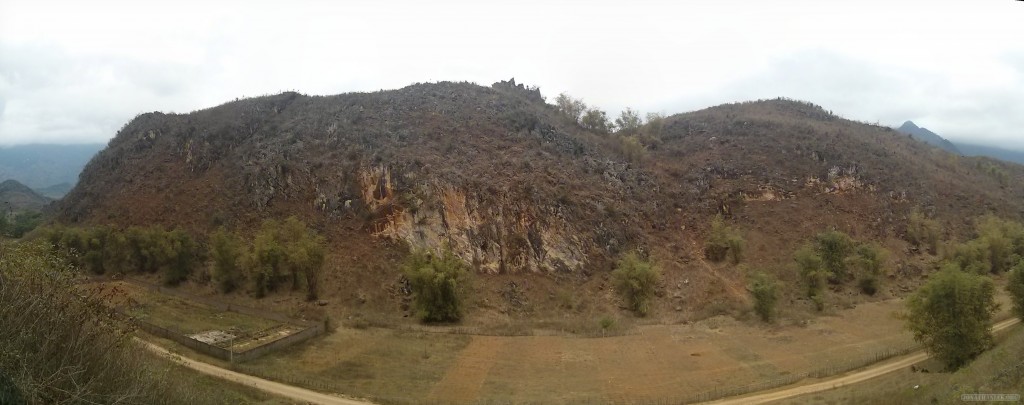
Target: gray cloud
[{"x": 78, "y": 75}]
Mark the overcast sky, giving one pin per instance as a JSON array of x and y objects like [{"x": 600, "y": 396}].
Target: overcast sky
[{"x": 76, "y": 71}]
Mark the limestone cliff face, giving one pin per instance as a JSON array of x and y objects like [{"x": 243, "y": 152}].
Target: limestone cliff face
[{"x": 496, "y": 233}]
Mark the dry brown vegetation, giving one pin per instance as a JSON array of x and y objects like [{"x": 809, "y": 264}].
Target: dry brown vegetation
[{"x": 529, "y": 198}]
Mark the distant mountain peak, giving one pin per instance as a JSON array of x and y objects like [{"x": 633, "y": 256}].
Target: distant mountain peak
[
  {"x": 924, "y": 135},
  {"x": 908, "y": 126}
]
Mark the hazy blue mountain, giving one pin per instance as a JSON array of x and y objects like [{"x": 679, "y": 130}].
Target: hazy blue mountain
[
  {"x": 39, "y": 166},
  {"x": 1008, "y": 155},
  {"x": 926, "y": 136},
  {"x": 18, "y": 197},
  {"x": 56, "y": 191}
]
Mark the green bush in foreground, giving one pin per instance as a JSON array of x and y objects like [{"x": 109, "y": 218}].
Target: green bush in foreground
[
  {"x": 439, "y": 285},
  {"x": 951, "y": 315},
  {"x": 636, "y": 280},
  {"x": 59, "y": 345}
]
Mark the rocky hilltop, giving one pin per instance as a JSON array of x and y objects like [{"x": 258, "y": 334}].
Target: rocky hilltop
[{"x": 513, "y": 187}]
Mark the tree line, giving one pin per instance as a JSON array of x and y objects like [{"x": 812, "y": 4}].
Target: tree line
[{"x": 282, "y": 254}]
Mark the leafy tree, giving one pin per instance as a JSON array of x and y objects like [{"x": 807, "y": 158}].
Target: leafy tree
[
  {"x": 596, "y": 121},
  {"x": 636, "y": 280},
  {"x": 286, "y": 252},
  {"x": 571, "y": 108},
  {"x": 951, "y": 315},
  {"x": 723, "y": 242},
  {"x": 764, "y": 289},
  {"x": 438, "y": 283},
  {"x": 226, "y": 251},
  {"x": 629, "y": 121}
]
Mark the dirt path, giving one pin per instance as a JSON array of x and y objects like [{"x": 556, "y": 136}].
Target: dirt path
[
  {"x": 464, "y": 380},
  {"x": 836, "y": 382},
  {"x": 276, "y": 388}
]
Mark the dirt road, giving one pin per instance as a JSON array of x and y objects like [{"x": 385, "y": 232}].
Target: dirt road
[
  {"x": 276, "y": 388},
  {"x": 839, "y": 381}
]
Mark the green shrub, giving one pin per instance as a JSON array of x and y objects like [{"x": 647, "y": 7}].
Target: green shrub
[
  {"x": 60, "y": 345},
  {"x": 606, "y": 323},
  {"x": 951, "y": 315},
  {"x": 764, "y": 290},
  {"x": 636, "y": 279},
  {"x": 811, "y": 269},
  {"x": 833, "y": 248},
  {"x": 438, "y": 284},
  {"x": 869, "y": 259},
  {"x": 723, "y": 242},
  {"x": 923, "y": 232}
]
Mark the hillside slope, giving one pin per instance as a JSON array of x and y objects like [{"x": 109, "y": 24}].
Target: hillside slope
[{"x": 514, "y": 188}]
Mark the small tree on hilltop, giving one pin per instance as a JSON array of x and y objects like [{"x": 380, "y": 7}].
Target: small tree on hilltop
[
  {"x": 629, "y": 121},
  {"x": 438, "y": 283},
  {"x": 596, "y": 121},
  {"x": 571, "y": 108},
  {"x": 951, "y": 315},
  {"x": 636, "y": 280}
]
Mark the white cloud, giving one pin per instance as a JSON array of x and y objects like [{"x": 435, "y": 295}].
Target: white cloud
[{"x": 77, "y": 71}]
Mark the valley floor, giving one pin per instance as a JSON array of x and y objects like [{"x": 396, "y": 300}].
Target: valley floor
[{"x": 650, "y": 364}]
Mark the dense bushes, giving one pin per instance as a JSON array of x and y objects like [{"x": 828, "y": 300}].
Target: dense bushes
[
  {"x": 636, "y": 279},
  {"x": 951, "y": 315},
  {"x": 999, "y": 246},
  {"x": 20, "y": 224},
  {"x": 723, "y": 241},
  {"x": 828, "y": 259},
  {"x": 286, "y": 252},
  {"x": 140, "y": 250},
  {"x": 282, "y": 252},
  {"x": 438, "y": 283}
]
